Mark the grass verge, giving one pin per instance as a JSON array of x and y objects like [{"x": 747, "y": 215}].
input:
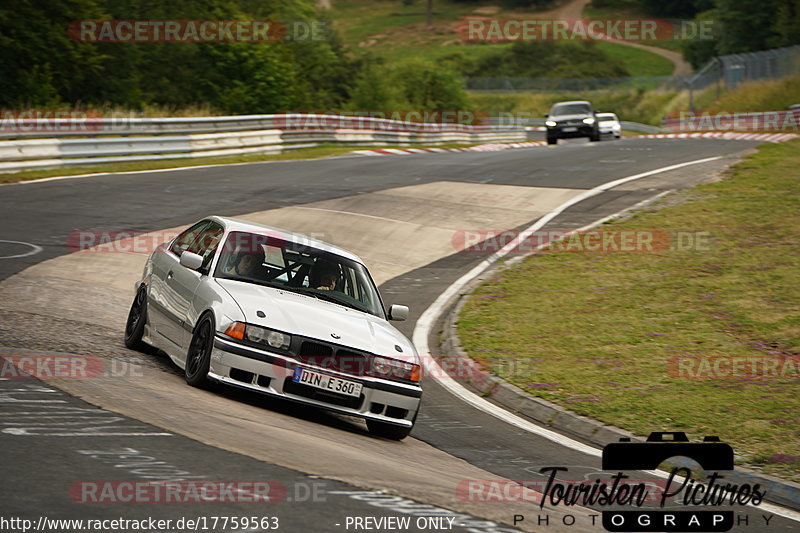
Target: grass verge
[
  {"x": 638, "y": 62},
  {"x": 760, "y": 96},
  {"x": 596, "y": 332}
]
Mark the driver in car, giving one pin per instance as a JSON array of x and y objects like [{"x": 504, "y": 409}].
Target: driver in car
[
  {"x": 324, "y": 275},
  {"x": 246, "y": 264},
  {"x": 327, "y": 282}
]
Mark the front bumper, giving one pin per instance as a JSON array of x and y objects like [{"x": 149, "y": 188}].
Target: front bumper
[
  {"x": 558, "y": 132},
  {"x": 609, "y": 130},
  {"x": 270, "y": 373}
]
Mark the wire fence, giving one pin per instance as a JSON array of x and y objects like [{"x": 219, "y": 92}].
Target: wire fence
[
  {"x": 724, "y": 71},
  {"x": 731, "y": 70},
  {"x": 508, "y": 84}
]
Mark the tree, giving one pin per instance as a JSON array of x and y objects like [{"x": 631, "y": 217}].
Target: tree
[
  {"x": 41, "y": 65},
  {"x": 698, "y": 52},
  {"x": 787, "y": 23},
  {"x": 747, "y": 25}
]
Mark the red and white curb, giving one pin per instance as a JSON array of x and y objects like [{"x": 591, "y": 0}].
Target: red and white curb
[
  {"x": 496, "y": 147},
  {"x": 729, "y": 135}
]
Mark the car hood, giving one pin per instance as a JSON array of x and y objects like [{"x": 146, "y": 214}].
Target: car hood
[{"x": 307, "y": 316}]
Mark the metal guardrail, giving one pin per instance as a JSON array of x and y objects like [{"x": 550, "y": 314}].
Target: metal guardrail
[
  {"x": 90, "y": 126},
  {"x": 639, "y": 128},
  {"x": 114, "y": 142},
  {"x": 91, "y": 141}
]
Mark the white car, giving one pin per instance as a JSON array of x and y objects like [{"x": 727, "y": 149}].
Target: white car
[
  {"x": 276, "y": 312},
  {"x": 609, "y": 124}
]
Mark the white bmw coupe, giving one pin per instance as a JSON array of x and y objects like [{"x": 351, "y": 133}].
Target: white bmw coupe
[{"x": 276, "y": 312}]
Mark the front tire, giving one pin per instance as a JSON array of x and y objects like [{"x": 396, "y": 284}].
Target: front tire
[
  {"x": 198, "y": 358},
  {"x": 137, "y": 318},
  {"x": 552, "y": 140}
]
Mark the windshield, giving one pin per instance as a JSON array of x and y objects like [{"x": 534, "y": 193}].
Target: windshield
[
  {"x": 606, "y": 116},
  {"x": 570, "y": 109},
  {"x": 273, "y": 262}
]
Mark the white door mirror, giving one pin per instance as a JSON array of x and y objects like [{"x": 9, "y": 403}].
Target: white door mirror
[
  {"x": 398, "y": 312},
  {"x": 191, "y": 260}
]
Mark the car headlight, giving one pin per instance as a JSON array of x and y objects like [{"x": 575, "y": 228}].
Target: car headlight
[
  {"x": 588, "y": 120},
  {"x": 276, "y": 339},
  {"x": 270, "y": 337},
  {"x": 384, "y": 367},
  {"x": 257, "y": 334},
  {"x": 551, "y": 123},
  {"x": 381, "y": 366}
]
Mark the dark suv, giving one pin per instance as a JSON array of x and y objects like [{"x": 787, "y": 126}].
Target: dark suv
[{"x": 572, "y": 119}]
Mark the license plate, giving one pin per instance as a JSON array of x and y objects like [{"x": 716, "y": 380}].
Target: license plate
[
  {"x": 570, "y": 129},
  {"x": 326, "y": 382}
]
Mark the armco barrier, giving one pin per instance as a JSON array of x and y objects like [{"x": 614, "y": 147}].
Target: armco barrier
[
  {"x": 641, "y": 128},
  {"x": 113, "y": 142},
  {"x": 28, "y": 128}
]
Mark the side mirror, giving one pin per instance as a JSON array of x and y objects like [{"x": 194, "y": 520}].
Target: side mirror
[
  {"x": 546, "y": 115},
  {"x": 398, "y": 312},
  {"x": 191, "y": 260}
]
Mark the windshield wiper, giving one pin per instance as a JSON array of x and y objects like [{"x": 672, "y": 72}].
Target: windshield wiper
[
  {"x": 254, "y": 281},
  {"x": 323, "y": 295}
]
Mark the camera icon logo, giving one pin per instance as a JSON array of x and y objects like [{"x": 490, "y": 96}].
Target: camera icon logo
[{"x": 711, "y": 454}]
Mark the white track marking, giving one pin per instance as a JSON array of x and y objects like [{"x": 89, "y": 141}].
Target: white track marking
[
  {"x": 169, "y": 169},
  {"x": 426, "y": 321},
  {"x": 355, "y": 214},
  {"x": 33, "y": 251}
]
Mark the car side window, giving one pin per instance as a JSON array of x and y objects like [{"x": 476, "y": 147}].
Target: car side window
[
  {"x": 206, "y": 242},
  {"x": 185, "y": 239}
]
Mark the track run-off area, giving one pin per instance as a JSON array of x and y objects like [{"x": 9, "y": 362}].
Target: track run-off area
[{"x": 139, "y": 421}]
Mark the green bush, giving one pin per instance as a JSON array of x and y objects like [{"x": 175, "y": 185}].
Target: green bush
[{"x": 425, "y": 85}]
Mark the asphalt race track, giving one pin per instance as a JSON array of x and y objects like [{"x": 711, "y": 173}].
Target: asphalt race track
[{"x": 399, "y": 213}]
